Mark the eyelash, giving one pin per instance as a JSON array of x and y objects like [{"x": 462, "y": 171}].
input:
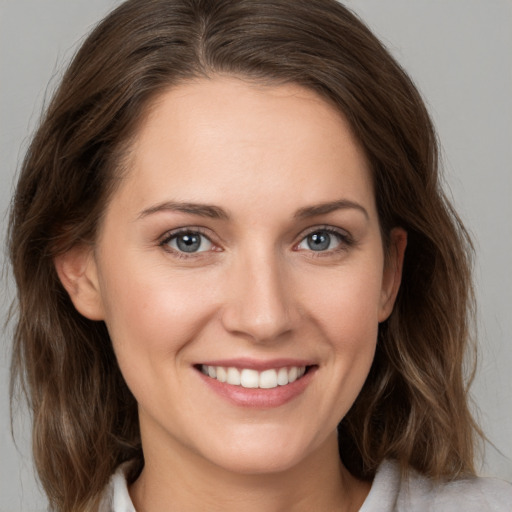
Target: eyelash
[
  {"x": 346, "y": 241},
  {"x": 171, "y": 235}
]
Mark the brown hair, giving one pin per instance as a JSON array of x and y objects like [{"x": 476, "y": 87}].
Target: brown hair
[{"x": 413, "y": 407}]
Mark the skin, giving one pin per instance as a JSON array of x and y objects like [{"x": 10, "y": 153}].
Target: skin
[{"x": 262, "y": 154}]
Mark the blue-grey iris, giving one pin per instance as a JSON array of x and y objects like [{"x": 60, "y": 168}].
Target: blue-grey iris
[
  {"x": 319, "y": 241},
  {"x": 189, "y": 242}
]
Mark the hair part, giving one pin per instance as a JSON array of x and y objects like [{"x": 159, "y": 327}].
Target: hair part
[{"x": 413, "y": 406}]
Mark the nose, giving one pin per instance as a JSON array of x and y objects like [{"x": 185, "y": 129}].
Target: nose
[{"x": 261, "y": 303}]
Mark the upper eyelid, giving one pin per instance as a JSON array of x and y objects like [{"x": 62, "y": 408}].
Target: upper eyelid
[{"x": 331, "y": 229}]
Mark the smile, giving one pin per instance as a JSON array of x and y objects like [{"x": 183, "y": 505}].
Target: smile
[{"x": 253, "y": 379}]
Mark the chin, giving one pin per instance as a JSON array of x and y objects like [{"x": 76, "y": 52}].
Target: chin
[
  {"x": 257, "y": 462},
  {"x": 260, "y": 453}
]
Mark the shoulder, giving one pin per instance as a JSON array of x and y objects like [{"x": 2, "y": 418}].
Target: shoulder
[
  {"x": 421, "y": 494},
  {"x": 474, "y": 494}
]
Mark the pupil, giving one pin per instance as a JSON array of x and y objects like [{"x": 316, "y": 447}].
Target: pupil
[
  {"x": 188, "y": 243},
  {"x": 319, "y": 241}
]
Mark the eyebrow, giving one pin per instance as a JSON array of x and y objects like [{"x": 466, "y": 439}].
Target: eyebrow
[
  {"x": 325, "y": 208},
  {"x": 203, "y": 210},
  {"x": 215, "y": 212}
]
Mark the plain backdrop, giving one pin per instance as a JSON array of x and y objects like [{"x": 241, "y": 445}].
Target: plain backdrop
[{"x": 459, "y": 52}]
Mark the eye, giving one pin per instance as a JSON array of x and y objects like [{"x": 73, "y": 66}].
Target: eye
[
  {"x": 322, "y": 240},
  {"x": 188, "y": 242}
]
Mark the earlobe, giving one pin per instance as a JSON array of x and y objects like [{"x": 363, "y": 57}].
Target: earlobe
[
  {"x": 78, "y": 274},
  {"x": 392, "y": 276}
]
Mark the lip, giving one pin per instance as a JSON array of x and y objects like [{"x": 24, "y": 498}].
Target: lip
[{"x": 259, "y": 398}]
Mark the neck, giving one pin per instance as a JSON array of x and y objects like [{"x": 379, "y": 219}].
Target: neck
[{"x": 182, "y": 481}]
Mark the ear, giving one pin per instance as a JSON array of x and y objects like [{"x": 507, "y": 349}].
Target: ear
[
  {"x": 392, "y": 275},
  {"x": 78, "y": 274}
]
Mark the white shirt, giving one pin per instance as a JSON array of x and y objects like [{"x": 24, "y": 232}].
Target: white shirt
[{"x": 389, "y": 493}]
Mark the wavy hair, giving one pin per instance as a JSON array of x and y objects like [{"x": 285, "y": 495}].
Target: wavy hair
[{"x": 413, "y": 406}]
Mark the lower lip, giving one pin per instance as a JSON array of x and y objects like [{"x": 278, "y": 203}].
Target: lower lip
[{"x": 256, "y": 397}]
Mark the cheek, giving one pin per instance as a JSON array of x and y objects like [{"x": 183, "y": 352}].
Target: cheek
[
  {"x": 348, "y": 306},
  {"x": 152, "y": 314},
  {"x": 343, "y": 310}
]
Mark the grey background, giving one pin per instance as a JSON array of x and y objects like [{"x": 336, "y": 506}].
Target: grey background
[{"x": 459, "y": 52}]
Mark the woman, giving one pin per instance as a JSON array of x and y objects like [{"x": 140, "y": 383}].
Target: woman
[{"x": 239, "y": 283}]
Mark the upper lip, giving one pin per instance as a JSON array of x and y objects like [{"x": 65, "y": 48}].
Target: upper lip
[{"x": 258, "y": 364}]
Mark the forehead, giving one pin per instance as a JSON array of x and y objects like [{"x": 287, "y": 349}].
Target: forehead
[{"x": 212, "y": 138}]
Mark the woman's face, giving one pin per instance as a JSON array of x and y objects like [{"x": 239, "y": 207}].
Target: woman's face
[{"x": 240, "y": 271}]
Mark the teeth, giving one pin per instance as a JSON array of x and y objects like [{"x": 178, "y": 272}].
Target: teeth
[
  {"x": 233, "y": 377},
  {"x": 222, "y": 374},
  {"x": 249, "y": 378},
  {"x": 282, "y": 376},
  {"x": 268, "y": 379}
]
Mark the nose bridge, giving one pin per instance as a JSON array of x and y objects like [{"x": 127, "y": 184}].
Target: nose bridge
[{"x": 261, "y": 305}]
